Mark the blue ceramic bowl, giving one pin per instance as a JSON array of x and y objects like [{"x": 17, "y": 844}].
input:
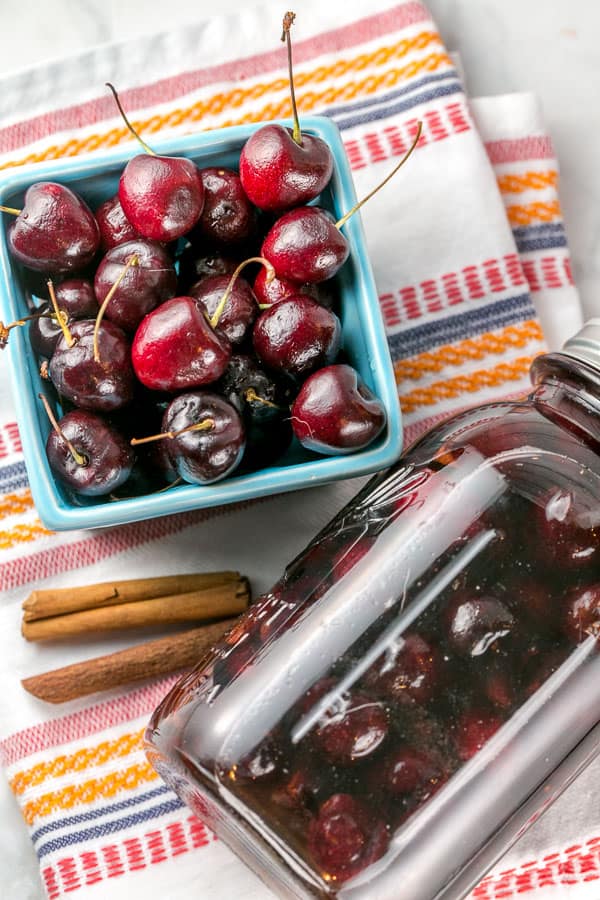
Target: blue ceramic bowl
[{"x": 364, "y": 342}]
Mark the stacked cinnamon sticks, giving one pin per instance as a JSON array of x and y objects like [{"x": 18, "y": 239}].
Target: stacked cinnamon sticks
[{"x": 216, "y": 598}]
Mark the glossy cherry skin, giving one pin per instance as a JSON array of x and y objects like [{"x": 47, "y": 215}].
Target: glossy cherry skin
[
  {"x": 277, "y": 173},
  {"x": 346, "y": 837},
  {"x": 581, "y": 613},
  {"x": 351, "y": 731},
  {"x": 335, "y": 412},
  {"x": 76, "y": 298},
  {"x": 305, "y": 246},
  {"x": 240, "y": 310},
  {"x": 203, "y": 457},
  {"x": 56, "y": 231},
  {"x": 477, "y": 624},
  {"x": 175, "y": 348},
  {"x": 162, "y": 196},
  {"x": 410, "y": 666},
  {"x": 105, "y": 385},
  {"x": 297, "y": 336},
  {"x": 115, "y": 227},
  {"x": 144, "y": 286},
  {"x": 562, "y": 542},
  {"x": 109, "y": 458},
  {"x": 270, "y": 292},
  {"x": 44, "y": 333},
  {"x": 228, "y": 216}
]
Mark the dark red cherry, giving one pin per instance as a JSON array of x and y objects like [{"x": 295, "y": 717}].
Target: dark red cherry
[
  {"x": 410, "y": 666},
  {"x": 473, "y": 730},
  {"x": 335, "y": 412},
  {"x": 55, "y": 232},
  {"x": 476, "y": 624},
  {"x": 497, "y": 680},
  {"x": 240, "y": 310},
  {"x": 268, "y": 292},
  {"x": 346, "y": 837},
  {"x": 228, "y": 216},
  {"x": 407, "y": 770},
  {"x": 352, "y": 730},
  {"x": 143, "y": 287},
  {"x": 264, "y": 763},
  {"x": 212, "y": 439},
  {"x": 162, "y": 196},
  {"x": 103, "y": 460},
  {"x": 105, "y": 384},
  {"x": 297, "y": 336},
  {"x": 195, "y": 263},
  {"x": 115, "y": 227},
  {"x": 44, "y": 332},
  {"x": 581, "y": 613},
  {"x": 304, "y": 245},
  {"x": 562, "y": 541},
  {"x": 300, "y": 790},
  {"x": 175, "y": 348},
  {"x": 277, "y": 173},
  {"x": 76, "y": 297}
]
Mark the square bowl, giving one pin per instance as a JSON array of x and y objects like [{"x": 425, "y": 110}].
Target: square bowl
[{"x": 363, "y": 341}]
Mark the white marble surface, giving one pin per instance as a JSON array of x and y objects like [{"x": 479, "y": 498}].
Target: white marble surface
[{"x": 547, "y": 46}]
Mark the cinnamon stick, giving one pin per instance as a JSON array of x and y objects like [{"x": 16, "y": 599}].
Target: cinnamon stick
[
  {"x": 147, "y": 660},
  {"x": 58, "y": 602},
  {"x": 227, "y": 599}
]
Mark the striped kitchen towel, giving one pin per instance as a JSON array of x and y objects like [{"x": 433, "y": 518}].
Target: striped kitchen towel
[{"x": 471, "y": 262}]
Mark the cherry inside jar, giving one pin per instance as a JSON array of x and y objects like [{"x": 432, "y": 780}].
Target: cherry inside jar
[{"x": 420, "y": 670}]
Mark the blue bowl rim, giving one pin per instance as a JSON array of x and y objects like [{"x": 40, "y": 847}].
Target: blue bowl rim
[{"x": 52, "y": 510}]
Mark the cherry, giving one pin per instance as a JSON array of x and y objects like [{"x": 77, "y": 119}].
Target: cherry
[
  {"x": 497, "y": 682},
  {"x": 410, "y": 666},
  {"x": 75, "y": 297},
  {"x": 407, "y": 770},
  {"x": 307, "y": 245},
  {"x": 241, "y": 308},
  {"x": 268, "y": 292},
  {"x": 115, "y": 227},
  {"x": 175, "y": 348},
  {"x": 162, "y": 196},
  {"x": 562, "y": 542},
  {"x": 44, "y": 332},
  {"x": 228, "y": 216},
  {"x": 86, "y": 453},
  {"x": 145, "y": 286},
  {"x": 581, "y": 616},
  {"x": 352, "y": 731},
  {"x": 55, "y": 232},
  {"x": 195, "y": 264},
  {"x": 264, "y": 763},
  {"x": 335, "y": 412},
  {"x": 346, "y": 837},
  {"x": 297, "y": 336},
  {"x": 473, "y": 730},
  {"x": 476, "y": 624},
  {"x": 300, "y": 790},
  {"x": 206, "y": 436},
  {"x": 279, "y": 167}
]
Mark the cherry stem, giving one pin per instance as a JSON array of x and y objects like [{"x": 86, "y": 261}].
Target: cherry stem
[
  {"x": 205, "y": 425},
  {"x": 252, "y": 397},
  {"x": 288, "y": 21},
  {"x": 61, "y": 316},
  {"x": 5, "y": 329},
  {"x": 11, "y": 210},
  {"x": 358, "y": 205},
  {"x": 214, "y": 319},
  {"x": 79, "y": 458},
  {"x": 140, "y": 140},
  {"x": 132, "y": 261}
]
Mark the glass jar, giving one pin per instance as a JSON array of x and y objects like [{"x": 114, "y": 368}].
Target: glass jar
[{"x": 425, "y": 676}]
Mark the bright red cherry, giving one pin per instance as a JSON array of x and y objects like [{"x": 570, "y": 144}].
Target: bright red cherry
[
  {"x": 297, "y": 336},
  {"x": 268, "y": 292},
  {"x": 280, "y": 167},
  {"x": 305, "y": 245},
  {"x": 335, "y": 412},
  {"x": 162, "y": 196},
  {"x": 175, "y": 348},
  {"x": 55, "y": 232}
]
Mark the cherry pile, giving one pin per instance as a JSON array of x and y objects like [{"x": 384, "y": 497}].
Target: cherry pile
[
  {"x": 154, "y": 345},
  {"x": 378, "y": 750}
]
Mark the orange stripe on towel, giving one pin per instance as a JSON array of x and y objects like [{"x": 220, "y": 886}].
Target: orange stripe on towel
[
  {"x": 13, "y": 504},
  {"x": 529, "y": 181},
  {"x": 22, "y": 534},
  {"x": 531, "y": 213}
]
